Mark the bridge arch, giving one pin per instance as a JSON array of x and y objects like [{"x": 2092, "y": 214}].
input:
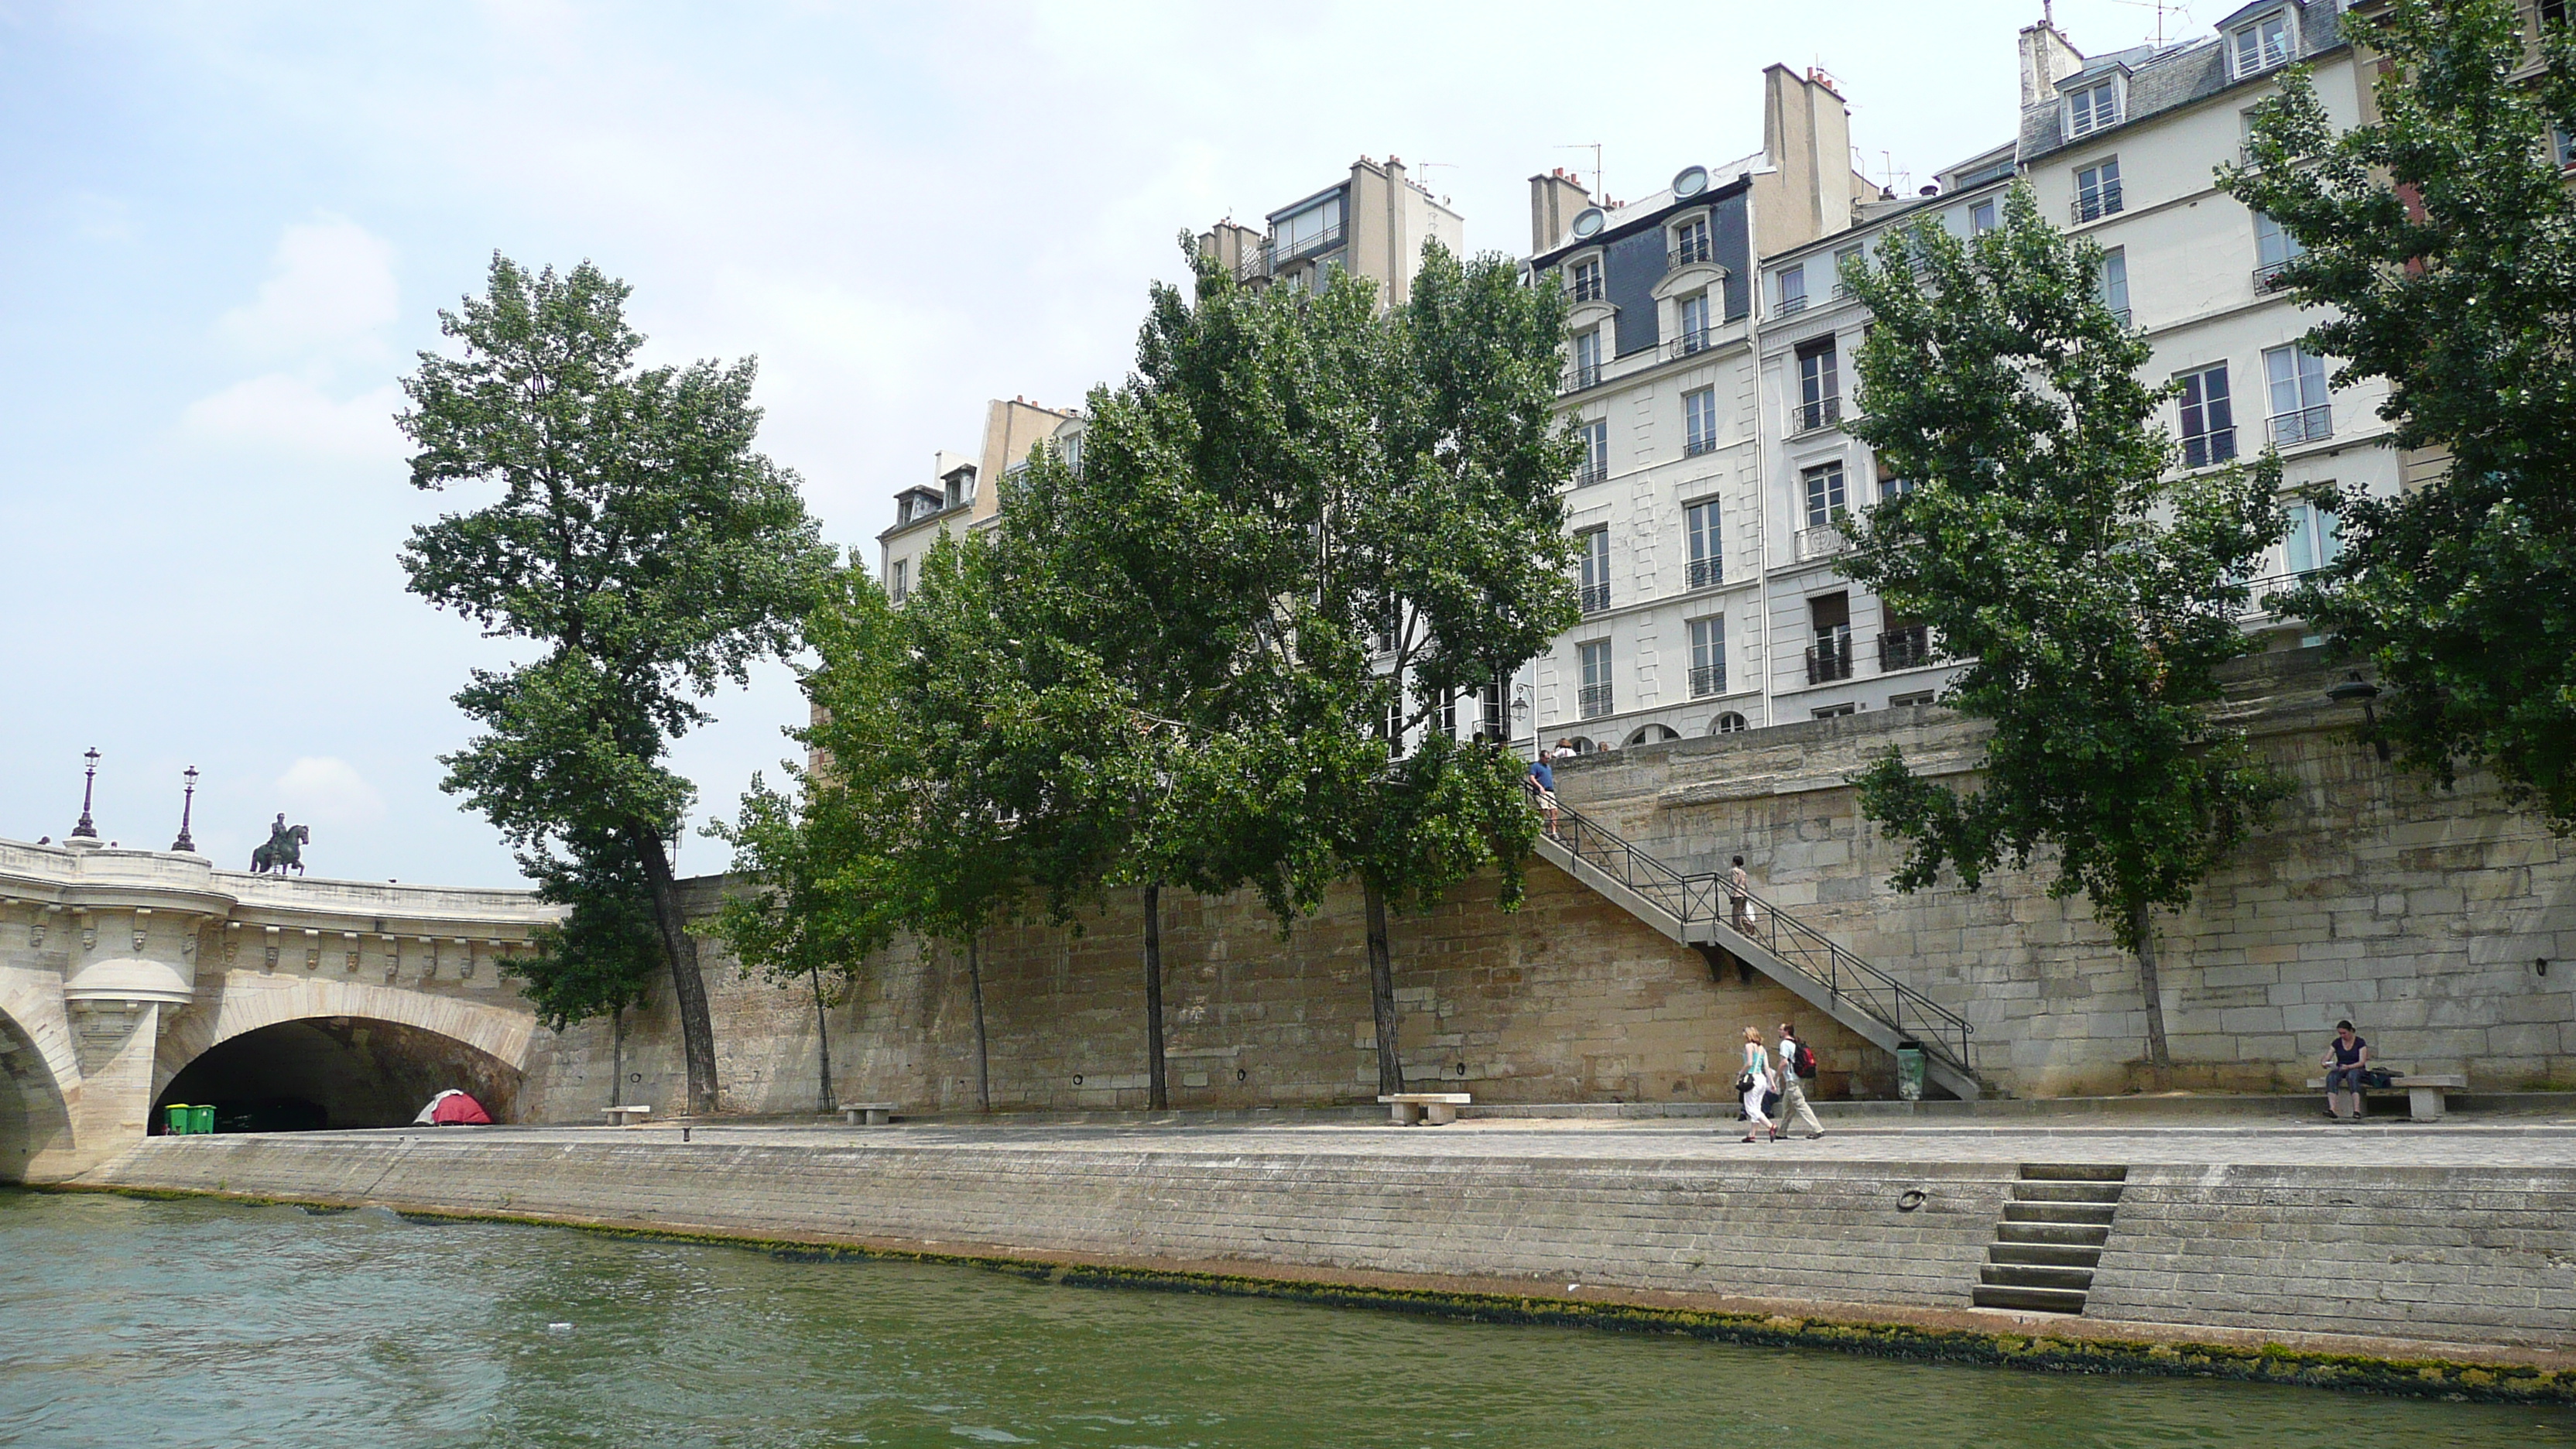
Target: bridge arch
[
  {"x": 284, "y": 1052},
  {"x": 35, "y": 1116}
]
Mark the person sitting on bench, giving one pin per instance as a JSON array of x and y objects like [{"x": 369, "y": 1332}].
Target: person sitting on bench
[{"x": 2346, "y": 1058}]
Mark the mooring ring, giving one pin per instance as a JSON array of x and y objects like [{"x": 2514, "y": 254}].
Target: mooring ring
[{"x": 1910, "y": 1199}]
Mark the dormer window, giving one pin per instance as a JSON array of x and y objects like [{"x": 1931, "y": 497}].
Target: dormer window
[
  {"x": 2261, "y": 45},
  {"x": 1587, "y": 280},
  {"x": 1690, "y": 242},
  {"x": 2094, "y": 108}
]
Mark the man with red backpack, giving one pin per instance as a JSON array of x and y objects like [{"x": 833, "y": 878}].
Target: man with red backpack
[{"x": 1797, "y": 1068}]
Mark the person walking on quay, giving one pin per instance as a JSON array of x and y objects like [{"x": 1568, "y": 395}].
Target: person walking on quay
[
  {"x": 1797, "y": 1061},
  {"x": 1757, "y": 1082},
  {"x": 1542, "y": 784},
  {"x": 2347, "y": 1057},
  {"x": 1739, "y": 891}
]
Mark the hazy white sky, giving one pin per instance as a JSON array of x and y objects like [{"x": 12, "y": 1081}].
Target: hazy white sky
[{"x": 226, "y": 228}]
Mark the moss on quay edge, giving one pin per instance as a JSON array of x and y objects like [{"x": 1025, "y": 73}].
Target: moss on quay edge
[{"x": 2414, "y": 1377}]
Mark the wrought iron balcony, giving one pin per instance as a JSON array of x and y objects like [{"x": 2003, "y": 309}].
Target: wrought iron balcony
[
  {"x": 1823, "y": 541},
  {"x": 2204, "y": 450},
  {"x": 1704, "y": 443},
  {"x": 1582, "y": 375},
  {"x": 1591, "y": 473},
  {"x": 1595, "y": 597},
  {"x": 1823, "y": 413},
  {"x": 1829, "y": 659},
  {"x": 1279, "y": 253},
  {"x": 1907, "y": 647},
  {"x": 1789, "y": 305},
  {"x": 1693, "y": 250},
  {"x": 2122, "y": 313},
  {"x": 1589, "y": 287},
  {"x": 2268, "y": 277},
  {"x": 1691, "y": 343},
  {"x": 1595, "y": 701},
  {"x": 1707, "y": 679},
  {"x": 2093, "y": 205},
  {"x": 2307, "y": 425},
  {"x": 1706, "y": 573}
]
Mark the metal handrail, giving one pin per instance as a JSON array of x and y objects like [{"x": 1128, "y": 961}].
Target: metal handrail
[{"x": 1943, "y": 1033}]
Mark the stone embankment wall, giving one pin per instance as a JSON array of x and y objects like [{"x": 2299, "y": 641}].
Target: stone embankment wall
[
  {"x": 2462, "y": 1256},
  {"x": 2441, "y": 922},
  {"x": 2419, "y": 913}
]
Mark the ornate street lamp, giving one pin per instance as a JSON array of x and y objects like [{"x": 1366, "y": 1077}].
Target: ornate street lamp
[
  {"x": 85, "y": 830},
  {"x": 187, "y": 803},
  {"x": 2353, "y": 689}
]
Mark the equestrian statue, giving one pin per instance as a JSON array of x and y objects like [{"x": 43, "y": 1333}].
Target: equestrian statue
[{"x": 285, "y": 848}]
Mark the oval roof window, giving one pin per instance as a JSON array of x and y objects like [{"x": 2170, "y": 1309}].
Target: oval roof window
[
  {"x": 1587, "y": 222},
  {"x": 1690, "y": 181}
]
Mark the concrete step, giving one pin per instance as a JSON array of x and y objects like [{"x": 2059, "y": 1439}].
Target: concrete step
[
  {"x": 2073, "y": 1172},
  {"x": 2059, "y": 1212},
  {"x": 2102, "y": 1192},
  {"x": 2028, "y": 1300},
  {"x": 2069, "y": 1235},
  {"x": 2019, "y": 1275},
  {"x": 2052, "y": 1255}
]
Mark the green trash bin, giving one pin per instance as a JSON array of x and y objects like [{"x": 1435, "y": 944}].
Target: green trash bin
[
  {"x": 1909, "y": 1071},
  {"x": 201, "y": 1120},
  {"x": 181, "y": 1117}
]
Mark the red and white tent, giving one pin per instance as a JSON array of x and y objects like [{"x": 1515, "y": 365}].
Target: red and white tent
[{"x": 453, "y": 1108}]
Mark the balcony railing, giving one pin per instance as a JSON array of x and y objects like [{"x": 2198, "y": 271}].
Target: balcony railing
[
  {"x": 1829, "y": 659},
  {"x": 2204, "y": 450},
  {"x": 1322, "y": 241},
  {"x": 1594, "y": 597},
  {"x": 1704, "y": 443},
  {"x": 1589, "y": 287},
  {"x": 1823, "y": 541},
  {"x": 1692, "y": 250},
  {"x": 1823, "y": 413},
  {"x": 1707, "y": 679},
  {"x": 1691, "y": 343},
  {"x": 2122, "y": 313},
  {"x": 1908, "y": 647},
  {"x": 1595, "y": 701},
  {"x": 1255, "y": 262},
  {"x": 1788, "y": 305},
  {"x": 2307, "y": 425},
  {"x": 1706, "y": 573},
  {"x": 1591, "y": 473},
  {"x": 2095, "y": 204},
  {"x": 1582, "y": 375},
  {"x": 2268, "y": 277}
]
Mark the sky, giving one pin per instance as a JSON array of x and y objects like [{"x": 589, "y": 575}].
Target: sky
[{"x": 227, "y": 229}]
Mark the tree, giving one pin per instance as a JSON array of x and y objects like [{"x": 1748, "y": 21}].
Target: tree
[
  {"x": 2093, "y": 596},
  {"x": 1300, "y": 529},
  {"x": 638, "y": 540},
  {"x": 2443, "y": 237}
]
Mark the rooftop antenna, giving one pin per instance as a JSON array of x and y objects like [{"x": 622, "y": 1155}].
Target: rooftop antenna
[
  {"x": 1598, "y": 194},
  {"x": 2180, "y": 10}
]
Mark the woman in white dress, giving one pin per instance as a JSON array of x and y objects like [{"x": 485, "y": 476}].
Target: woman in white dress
[{"x": 1757, "y": 1083}]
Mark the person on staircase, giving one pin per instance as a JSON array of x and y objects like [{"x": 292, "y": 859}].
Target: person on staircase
[
  {"x": 1739, "y": 890},
  {"x": 1757, "y": 1082},
  {"x": 1797, "y": 1061}
]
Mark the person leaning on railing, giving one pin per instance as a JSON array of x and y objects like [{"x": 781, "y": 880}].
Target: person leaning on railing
[{"x": 1542, "y": 788}]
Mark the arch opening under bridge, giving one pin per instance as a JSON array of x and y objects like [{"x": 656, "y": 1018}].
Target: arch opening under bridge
[{"x": 317, "y": 1073}]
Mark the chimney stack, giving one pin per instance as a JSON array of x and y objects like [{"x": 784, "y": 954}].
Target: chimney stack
[
  {"x": 1554, "y": 200},
  {"x": 2047, "y": 57}
]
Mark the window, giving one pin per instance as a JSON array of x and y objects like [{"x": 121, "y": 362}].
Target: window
[
  {"x": 1842, "y": 259},
  {"x": 1317, "y": 227},
  {"x": 2297, "y": 380},
  {"x": 1830, "y": 657},
  {"x": 1694, "y": 328},
  {"x": 2566, "y": 148},
  {"x": 2208, "y": 418},
  {"x": 1729, "y": 723},
  {"x": 1587, "y": 360},
  {"x": 1904, "y": 644},
  {"x": 2553, "y": 12},
  {"x": 2274, "y": 249},
  {"x": 1699, "y": 422},
  {"x": 2094, "y": 108},
  {"x": 1595, "y": 546},
  {"x": 1690, "y": 242},
  {"x": 1587, "y": 280},
  {"x": 1833, "y": 711},
  {"x": 1820, "y": 402},
  {"x": 1901, "y": 701},
  {"x": 1793, "y": 290},
  {"x": 1889, "y": 485},
  {"x": 1708, "y": 656},
  {"x": 1824, "y": 494},
  {"x": 2262, "y": 45},
  {"x": 1706, "y": 566},
  {"x": 2111, "y": 284},
  {"x": 1595, "y": 437},
  {"x": 2097, "y": 189},
  {"x": 1490, "y": 714},
  {"x": 898, "y": 580},
  {"x": 1981, "y": 217},
  {"x": 1073, "y": 454},
  {"x": 2314, "y": 541},
  {"x": 1596, "y": 678}
]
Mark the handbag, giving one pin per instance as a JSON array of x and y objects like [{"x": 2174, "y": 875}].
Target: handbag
[{"x": 1743, "y": 1084}]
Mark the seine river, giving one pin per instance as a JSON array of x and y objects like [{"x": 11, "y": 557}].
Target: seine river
[{"x": 133, "y": 1323}]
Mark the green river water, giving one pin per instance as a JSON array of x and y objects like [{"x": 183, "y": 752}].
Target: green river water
[{"x": 126, "y": 1323}]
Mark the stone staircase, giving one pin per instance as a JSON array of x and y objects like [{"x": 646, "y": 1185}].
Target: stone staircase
[
  {"x": 2051, "y": 1238},
  {"x": 1697, "y": 911}
]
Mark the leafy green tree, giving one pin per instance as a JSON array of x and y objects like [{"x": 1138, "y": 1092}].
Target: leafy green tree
[
  {"x": 2442, "y": 236},
  {"x": 600, "y": 959},
  {"x": 2093, "y": 594},
  {"x": 638, "y": 540}
]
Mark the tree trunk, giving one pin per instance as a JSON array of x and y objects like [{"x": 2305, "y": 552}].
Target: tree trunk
[
  {"x": 823, "y": 1043},
  {"x": 1158, "y": 1090},
  {"x": 688, "y": 988},
  {"x": 2159, "y": 1056},
  {"x": 617, "y": 1058},
  {"x": 983, "y": 1061},
  {"x": 1390, "y": 1068}
]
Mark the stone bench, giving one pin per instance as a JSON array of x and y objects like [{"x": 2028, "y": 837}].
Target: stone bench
[
  {"x": 1439, "y": 1109},
  {"x": 868, "y": 1114},
  {"x": 2424, "y": 1094},
  {"x": 627, "y": 1116}
]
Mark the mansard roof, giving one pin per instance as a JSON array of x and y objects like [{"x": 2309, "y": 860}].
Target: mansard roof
[{"x": 2179, "y": 75}]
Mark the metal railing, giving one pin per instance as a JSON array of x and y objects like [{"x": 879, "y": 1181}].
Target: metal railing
[
  {"x": 1590, "y": 287},
  {"x": 1253, "y": 263},
  {"x": 1906, "y": 647},
  {"x": 1693, "y": 249},
  {"x": 1943, "y": 1034},
  {"x": 1823, "y": 413},
  {"x": 1707, "y": 679},
  {"x": 1822, "y": 541},
  {"x": 1595, "y": 700},
  {"x": 1692, "y": 343},
  {"x": 1590, "y": 473},
  {"x": 2203, "y": 450},
  {"x": 1707, "y": 573},
  {"x": 1704, "y": 443},
  {"x": 2306, "y": 425},
  {"x": 1595, "y": 597},
  {"x": 2122, "y": 313},
  {"x": 2268, "y": 277},
  {"x": 1582, "y": 375},
  {"x": 1788, "y": 305},
  {"x": 1829, "y": 659},
  {"x": 2096, "y": 204},
  {"x": 1325, "y": 240}
]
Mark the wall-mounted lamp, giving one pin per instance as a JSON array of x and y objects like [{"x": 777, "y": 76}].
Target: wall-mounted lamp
[{"x": 2353, "y": 689}]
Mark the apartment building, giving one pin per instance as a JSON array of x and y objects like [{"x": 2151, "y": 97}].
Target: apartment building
[
  {"x": 1372, "y": 223},
  {"x": 958, "y": 498},
  {"x": 1662, "y": 385}
]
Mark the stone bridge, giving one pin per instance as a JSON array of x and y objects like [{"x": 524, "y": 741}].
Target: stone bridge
[{"x": 130, "y": 978}]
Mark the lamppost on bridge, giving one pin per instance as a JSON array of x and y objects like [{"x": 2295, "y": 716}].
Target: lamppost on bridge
[
  {"x": 187, "y": 802},
  {"x": 85, "y": 830}
]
